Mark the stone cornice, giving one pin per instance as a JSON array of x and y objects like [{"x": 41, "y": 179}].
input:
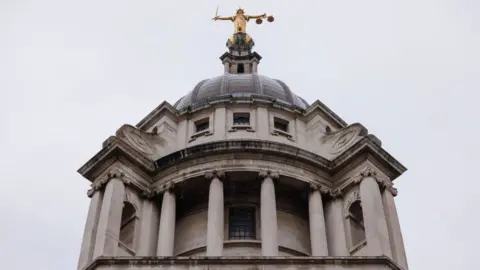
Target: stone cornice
[
  {"x": 162, "y": 109},
  {"x": 115, "y": 149},
  {"x": 364, "y": 146},
  {"x": 319, "y": 106},
  {"x": 147, "y": 262},
  {"x": 368, "y": 146}
]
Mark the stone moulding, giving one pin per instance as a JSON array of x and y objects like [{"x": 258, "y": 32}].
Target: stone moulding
[
  {"x": 365, "y": 148},
  {"x": 148, "y": 262}
]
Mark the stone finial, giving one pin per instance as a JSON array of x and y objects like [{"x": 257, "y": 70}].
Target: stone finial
[
  {"x": 214, "y": 174},
  {"x": 268, "y": 173}
]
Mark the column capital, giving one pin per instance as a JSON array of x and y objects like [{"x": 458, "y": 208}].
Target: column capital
[
  {"x": 100, "y": 184},
  {"x": 170, "y": 186},
  {"x": 268, "y": 173},
  {"x": 214, "y": 174},
  {"x": 319, "y": 187},
  {"x": 384, "y": 183}
]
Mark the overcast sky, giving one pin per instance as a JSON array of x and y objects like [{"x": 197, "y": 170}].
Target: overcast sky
[{"x": 72, "y": 72}]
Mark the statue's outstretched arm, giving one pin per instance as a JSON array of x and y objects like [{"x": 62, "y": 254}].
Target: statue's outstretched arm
[
  {"x": 223, "y": 18},
  {"x": 264, "y": 15}
]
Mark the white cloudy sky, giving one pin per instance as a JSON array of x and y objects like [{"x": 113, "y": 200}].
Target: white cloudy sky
[{"x": 72, "y": 72}]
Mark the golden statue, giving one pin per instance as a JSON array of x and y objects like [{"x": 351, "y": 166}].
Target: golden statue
[{"x": 240, "y": 20}]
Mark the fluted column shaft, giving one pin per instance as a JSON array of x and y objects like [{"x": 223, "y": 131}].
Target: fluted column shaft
[
  {"x": 268, "y": 215},
  {"x": 215, "y": 220},
  {"x": 166, "y": 231},
  {"x": 376, "y": 229},
  {"x": 108, "y": 230},
  {"x": 396, "y": 238},
  {"x": 318, "y": 234},
  {"x": 89, "y": 234}
]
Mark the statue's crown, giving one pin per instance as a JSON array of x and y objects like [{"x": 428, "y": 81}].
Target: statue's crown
[{"x": 240, "y": 9}]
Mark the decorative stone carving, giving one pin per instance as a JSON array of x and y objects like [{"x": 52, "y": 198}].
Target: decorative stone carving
[
  {"x": 153, "y": 144},
  {"x": 268, "y": 173},
  {"x": 353, "y": 197},
  {"x": 318, "y": 187},
  {"x": 384, "y": 183},
  {"x": 114, "y": 173},
  {"x": 333, "y": 143},
  {"x": 214, "y": 174}
]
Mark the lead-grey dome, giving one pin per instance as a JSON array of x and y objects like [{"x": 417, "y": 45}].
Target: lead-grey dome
[{"x": 240, "y": 85}]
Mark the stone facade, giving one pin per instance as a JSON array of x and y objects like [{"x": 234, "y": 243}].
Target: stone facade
[{"x": 237, "y": 177}]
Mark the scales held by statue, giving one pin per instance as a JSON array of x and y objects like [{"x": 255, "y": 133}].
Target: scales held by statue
[{"x": 240, "y": 38}]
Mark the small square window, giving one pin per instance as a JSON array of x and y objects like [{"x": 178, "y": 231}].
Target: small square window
[
  {"x": 202, "y": 125},
  {"x": 241, "y": 119},
  {"x": 241, "y": 223},
  {"x": 280, "y": 124}
]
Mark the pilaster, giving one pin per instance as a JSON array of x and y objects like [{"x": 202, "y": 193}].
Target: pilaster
[{"x": 268, "y": 214}]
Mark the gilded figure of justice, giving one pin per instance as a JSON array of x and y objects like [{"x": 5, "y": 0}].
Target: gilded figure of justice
[{"x": 240, "y": 19}]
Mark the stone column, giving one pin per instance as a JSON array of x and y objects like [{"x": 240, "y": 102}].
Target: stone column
[
  {"x": 89, "y": 234},
  {"x": 396, "y": 238},
  {"x": 149, "y": 224},
  {"x": 376, "y": 230},
  {"x": 215, "y": 225},
  {"x": 318, "y": 234},
  {"x": 335, "y": 221},
  {"x": 268, "y": 214},
  {"x": 166, "y": 231},
  {"x": 108, "y": 229}
]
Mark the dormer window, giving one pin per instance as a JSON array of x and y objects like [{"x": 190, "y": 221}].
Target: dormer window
[
  {"x": 202, "y": 125},
  {"x": 241, "y": 119},
  {"x": 280, "y": 124}
]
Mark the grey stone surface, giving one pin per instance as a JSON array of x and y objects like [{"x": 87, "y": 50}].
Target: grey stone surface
[
  {"x": 240, "y": 85},
  {"x": 298, "y": 180}
]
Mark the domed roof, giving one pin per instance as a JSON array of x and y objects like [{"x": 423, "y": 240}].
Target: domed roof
[{"x": 240, "y": 85}]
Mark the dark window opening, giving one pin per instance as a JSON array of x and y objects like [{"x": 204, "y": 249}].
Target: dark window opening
[
  {"x": 280, "y": 124},
  {"x": 202, "y": 125},
  {"x": 241, "y": 223},
  {"x": 241, "y": 119},
  {"x": 357, "y": 226},
  {"x": 127, "y": 226},
  {"x": 240, "y": 68}
]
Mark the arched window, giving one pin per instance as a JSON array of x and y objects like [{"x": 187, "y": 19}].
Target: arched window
[
  {"x": 127, "y": 227},
  {"x": 357, "y": 227}
]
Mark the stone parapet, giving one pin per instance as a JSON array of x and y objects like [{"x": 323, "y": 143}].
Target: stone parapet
[{"x": 283, "y": 263}]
